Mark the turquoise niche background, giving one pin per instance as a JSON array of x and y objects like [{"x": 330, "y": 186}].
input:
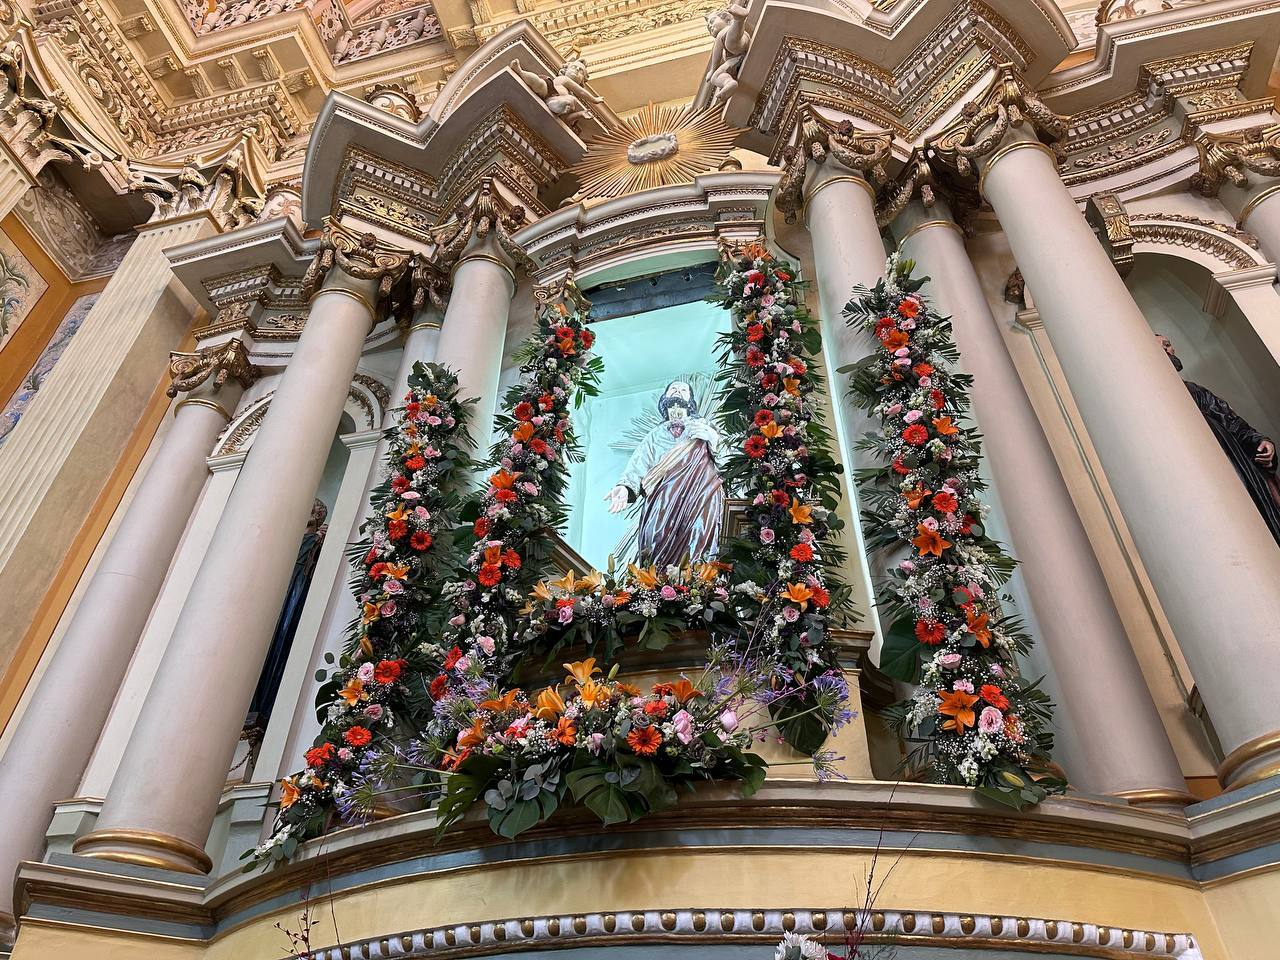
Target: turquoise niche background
[{"x": 642, "y": 353}]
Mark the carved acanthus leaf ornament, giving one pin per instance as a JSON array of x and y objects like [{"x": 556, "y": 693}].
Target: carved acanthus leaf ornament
[
  {"x": 1231, "y": 157},
  {"x": 362, "y": 256},
  {"x": 859, "y": 151},
  {"x": 488, "y": 214},
  {"x": 226, "y": 360},
  {"x": 1006, "y": 104}
]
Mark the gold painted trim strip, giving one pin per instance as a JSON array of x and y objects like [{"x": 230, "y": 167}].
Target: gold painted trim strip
[
  {"x": 142, "y": 838},
  {"x": 201, "y": 402},
  {"x": 1262, "y": 197},
  {"x": 425, "y": 325},
  {"x": 105, "y": 933},
  {"x": 358, "y": 297},
  {"x": 483, "y": 256},
  {"x": 1246, "y": 752},
  {"x": 1007, "y": 149},
  {"x": 951, "y": 224},
  {"x": 826, "y": 183},
  {"x": 1140, "y": 798}
]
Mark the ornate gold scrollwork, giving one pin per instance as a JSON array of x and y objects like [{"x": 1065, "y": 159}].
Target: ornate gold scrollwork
[
  {"x": 1231, "y": 157},
  {"x": 362, "y": 256},
  {"x": 984, "y": 121},
  {"x": 562, "y": 293},
  {"x": 1109, "y": 219},
  {"x": 230, "y": 359},
  {"x": 488, "y": 213},
  {"x": 860, "y": 151}
]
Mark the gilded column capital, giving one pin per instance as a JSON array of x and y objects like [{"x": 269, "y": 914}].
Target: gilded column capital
[
  {"x": 1231, "y": 157},
  {"x": 430, "y": 283},
  {"x": 226, "y": 360},
  {"x": 361, "y": 256},
  {"x": 980, "y": 131},
  {"x": 482, "y": 229},
  {"x": 861, "y": 153},
  {"x": 562, "y": 295}
]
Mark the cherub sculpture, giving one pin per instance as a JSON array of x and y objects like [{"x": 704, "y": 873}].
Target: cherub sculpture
[
  {"x": 566, "y": 93},
  {"x": 728, "y": 27}
]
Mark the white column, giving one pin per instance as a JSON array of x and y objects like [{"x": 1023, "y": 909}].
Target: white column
[
  {"x": 475, "y": 327},
  {"x": 165, "y": 795},
  {"x": 1213, "y": 563},
  {"x": 14, "y": 180},
  {"x": 52, "y": 743},
  {"x": 1114, "y": 722},
  {"x": 1256, "y": 208},
  {"x": 280, "y": 757}
]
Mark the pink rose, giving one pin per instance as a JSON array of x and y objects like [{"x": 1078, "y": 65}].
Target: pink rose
[
  {"x": 682, "y": 723},
  {"x": 729, "y": 721},
  {"x": 393, "y": 587},
  {"x": 566, "y": 614},
  {"x": 990, "y": 720},
  {"x": 668, "y": 592},
  {"x": 486, "y": 644},
  {"x": 790, "y": 614},
  {"x": 766, "y": 535},
  {"x": 950, "y": 661}
]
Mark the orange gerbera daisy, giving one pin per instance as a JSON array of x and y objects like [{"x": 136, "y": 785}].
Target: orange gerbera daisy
[
  {"x": 644, "y": 741},
  {"x": 957, "y": 705},
  {"x": 566, "y": 731},
  {"x": 929, "y": 541}
]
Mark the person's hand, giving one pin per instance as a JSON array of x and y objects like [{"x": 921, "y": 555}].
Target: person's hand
[
  {"x": 617, "y": 498},
  {"x": 1266, "y": 454},
  {"x": 322, "y": 530}
]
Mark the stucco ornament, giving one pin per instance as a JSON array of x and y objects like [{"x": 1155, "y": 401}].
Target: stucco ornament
[
  {"x": 566, "y": 93},
  {"x": 728, "y": 26},
  {"x": 654, "y": 147}
]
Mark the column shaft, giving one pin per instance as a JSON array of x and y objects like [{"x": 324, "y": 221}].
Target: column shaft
[
  {"x": 62, "y": 721},
  {"x": 165, "y": 794},
  {"x": 1117, "y": 727},
  {"x": 1257, "y": 209},
  {"x": 1214, "y": 565},
  {"x": 472, "y": 339}
]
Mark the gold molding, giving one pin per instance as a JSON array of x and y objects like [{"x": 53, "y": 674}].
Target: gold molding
[
  {"x": 1256, "y": 201},
  {"x": 1155, "y": 797},
  {"x": 1007, "y": 149},
  {"x": 358, "y": 297},
  {"x": 830, "y": 180},
  {"x": 425, "y": 325},
  {"x": 481, "y": 255},
  {"x": 950, "y": 224},
  {"x": 201, "y": 402},
  {"x": 1245, "y": 753},
  {"x": 144, "y": 838}
]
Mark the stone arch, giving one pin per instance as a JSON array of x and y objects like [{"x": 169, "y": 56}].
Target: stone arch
[{"x": 368, "y": 401}]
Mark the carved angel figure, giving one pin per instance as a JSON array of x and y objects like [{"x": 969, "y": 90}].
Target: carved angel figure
[
  {"x": 728, "y": 27},
  {"x": 566, "y": 93}
]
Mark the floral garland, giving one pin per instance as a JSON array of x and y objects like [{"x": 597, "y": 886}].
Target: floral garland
[
  {"x": 372, "y": 694},
  {"x": 979, "y": 723},
  {"x": 783, "y": 465}
]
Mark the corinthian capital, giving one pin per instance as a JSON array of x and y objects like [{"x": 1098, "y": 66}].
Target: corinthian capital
[
  {"x": 361, "y": 256},
  {"x": 488, "y": 216},
  {"x": 1006, "y": 104},
  {"x": 1231, "y": 157},
  {"x": 230, "y": 359},
  {"x": 859, "y": 151}
]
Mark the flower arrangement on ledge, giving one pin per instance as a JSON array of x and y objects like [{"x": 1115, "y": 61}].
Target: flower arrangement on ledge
[
  {"x": 375, "y": 691},
  {"x": 783, "y": 465},
  {"x": 619, "y": 751},
  {"x": 977, "y": 721}
]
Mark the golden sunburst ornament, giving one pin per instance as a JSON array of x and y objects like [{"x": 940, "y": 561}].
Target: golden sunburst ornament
[{"x": 654, "y": 147}]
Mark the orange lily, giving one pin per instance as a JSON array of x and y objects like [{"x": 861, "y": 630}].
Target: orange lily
[
  {"x": 977, "y": 625},
  {"x": 648, "y": 579},
  {"x": 398, "y": 570},
  {"x": 791, "y": 385},
  {"x": 550, "y": 704},
  {"x": 566, "y": 582},
  {"x": 684, "y": 691},
  {"x": 756, "y": 251},
  {"x": 581, "y": 671},
  {"x": 957, "y": 705},
  {"x": 473, "y": 736},
  {"x": 595, "y": 694},
  {"x": 929, "y": 541},
  {"x": 800, "y": 513},
  {"x": 541, "y": 591},
  {"x": 707, "y": 572},
  {"x": 590, "y": 583},
  {"x": 493, "y": 555},
  {"x": 771, "y": 431},
  {"x": 916, "y": 496},
  {"x": 566, "y": 731},
  {"x": 399, "y": 513},
  {"x": 503, "y": 480},
  {"x": 503, "y": 703},
  {"x": 430, "y": 400},
  {"x": 945, "y": 427},
  {"x": 369, "y": 613},
  {"x": 352, "y": 691},
  {"x": 798, "y": 593},
  {"x": 523, "y": 432},
  {"x": 289, "y": 793}
]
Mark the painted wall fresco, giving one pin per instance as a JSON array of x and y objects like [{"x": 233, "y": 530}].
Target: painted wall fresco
[
  {"x": 31, "y": 383},
  {"x": 21, "y": 285}
]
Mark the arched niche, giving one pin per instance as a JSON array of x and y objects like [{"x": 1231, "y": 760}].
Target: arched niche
[{"x": 368, "y": 400}]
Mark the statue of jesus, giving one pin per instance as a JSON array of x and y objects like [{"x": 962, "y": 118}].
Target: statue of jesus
[{"x": 673, "y": 474}]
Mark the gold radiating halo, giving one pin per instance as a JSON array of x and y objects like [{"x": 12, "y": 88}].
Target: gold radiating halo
[{"x": 703, "y": 142}]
